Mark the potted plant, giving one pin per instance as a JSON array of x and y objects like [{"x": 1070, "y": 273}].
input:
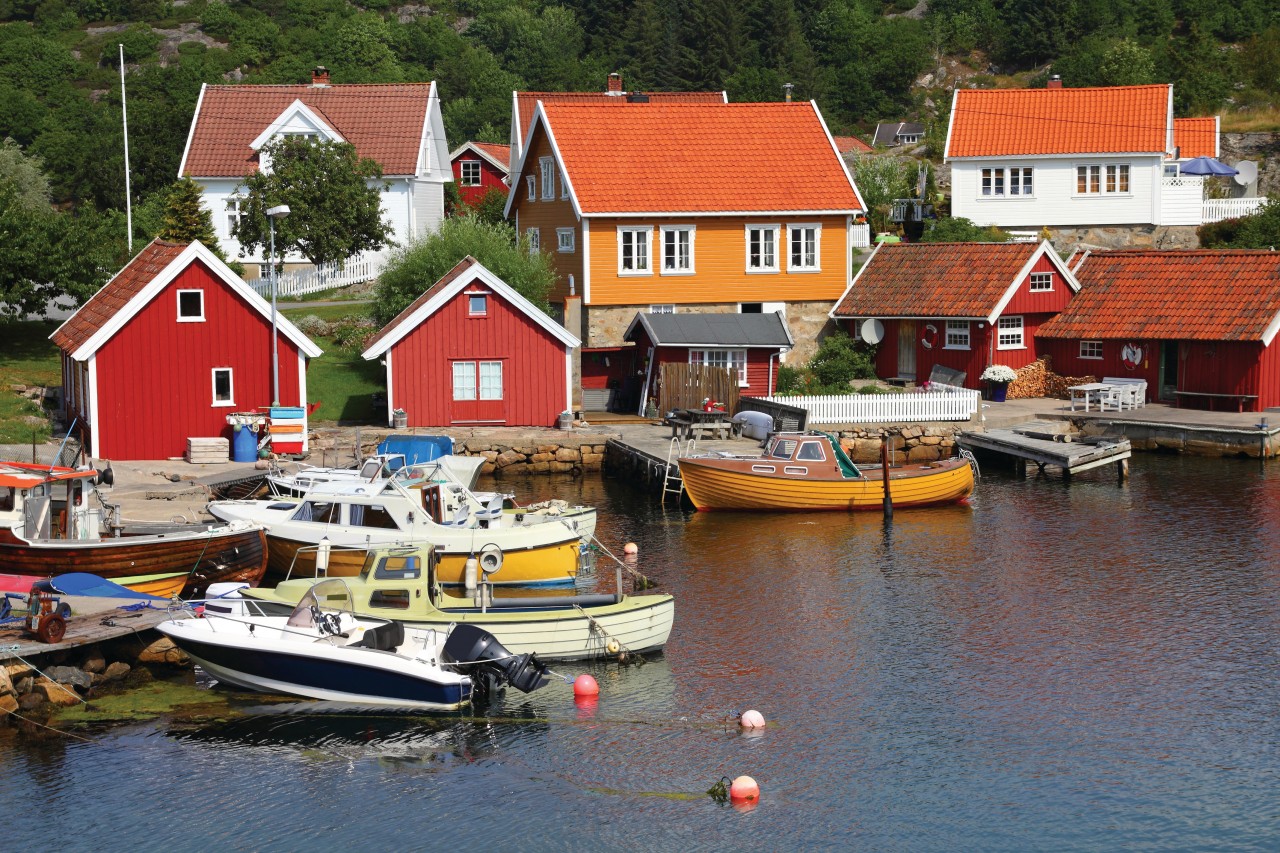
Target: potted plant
[{"x": 998, "y": 377}]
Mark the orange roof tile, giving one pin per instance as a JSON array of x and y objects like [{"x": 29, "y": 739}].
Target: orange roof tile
[
  {"x": 935, "y": 279},
  {"x": 1196, "y": 137},
  {"x": 851, "y": 145},
  {"x": 384, "y": 122},
  {"x": 501, "y": 153},
  {"x": 1203, "y": 295},
  {"x": 445, "y": 280},
  {"x": 1020, "y": 122},
  {"x": 680, "y": 158},
  {"x": 527, "y": 101},
  {"x": 115, "y": 294}
]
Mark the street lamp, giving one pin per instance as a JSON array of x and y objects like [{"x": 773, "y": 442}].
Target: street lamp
[{"x": 280, "y": 211}]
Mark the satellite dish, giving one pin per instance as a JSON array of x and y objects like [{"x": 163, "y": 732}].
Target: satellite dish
[
  {"x": 872, "y": 331},
  {"x": 1246, "y": 173}
]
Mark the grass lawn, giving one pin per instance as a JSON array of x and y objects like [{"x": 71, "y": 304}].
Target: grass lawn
[
  {"x": 27, "y": 357},
  {"x": 340, "y": 380}
]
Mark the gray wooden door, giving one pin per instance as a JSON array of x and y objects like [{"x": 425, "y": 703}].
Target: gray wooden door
[{"x": 907, "y": 349}]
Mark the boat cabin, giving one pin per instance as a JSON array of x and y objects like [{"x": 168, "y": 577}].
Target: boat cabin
[
  {"x": 49, "y": 502},
  {"x": 808, "y": 454}
]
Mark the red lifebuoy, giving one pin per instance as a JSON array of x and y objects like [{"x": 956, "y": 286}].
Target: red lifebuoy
[{"x": 930, "y": 336}]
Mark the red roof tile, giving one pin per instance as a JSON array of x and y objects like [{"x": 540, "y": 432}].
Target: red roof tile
[
  {"x": 1019, "y": 122},
  {"x": 501, "y": 153},
  {"x": 1205, "y": 295},
  {"x": 115, "y": 294},
  {"x": 851, "y": 145},
  {"x": 445, "y": 280},
  {"x": 679, "y": 158},
  {"x": 1196, "y": 137},
  {"x": 935, "y": 279},
  {"x": 384, "y": 122}
]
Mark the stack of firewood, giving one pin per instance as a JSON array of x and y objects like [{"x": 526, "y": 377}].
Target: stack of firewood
[{"x": 1037, "y": 379}]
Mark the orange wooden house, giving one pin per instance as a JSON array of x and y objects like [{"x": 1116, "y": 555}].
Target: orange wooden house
[{"x": 663, "y": 208}]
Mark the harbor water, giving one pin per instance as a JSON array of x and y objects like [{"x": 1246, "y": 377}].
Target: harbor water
[{"x": 1057, "y": 666}]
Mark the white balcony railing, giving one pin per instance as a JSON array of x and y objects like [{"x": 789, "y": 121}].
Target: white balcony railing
[
  {"x": 956, "y": 404},
  {"x": 1218, "y": 209},
  {"x": 861, "y": 235}
]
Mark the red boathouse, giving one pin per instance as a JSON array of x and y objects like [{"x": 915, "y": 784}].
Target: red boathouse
[
  {"x": 471, "y": 350},
  {"x": 167, "y": 349}
]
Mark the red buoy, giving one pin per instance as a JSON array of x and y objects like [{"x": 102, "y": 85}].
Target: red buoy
[
  {"x": 585, "y": 685},
  {"x": 744, "y": 790}
]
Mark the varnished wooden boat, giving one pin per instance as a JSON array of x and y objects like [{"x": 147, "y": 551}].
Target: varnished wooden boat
[
  {"x": 165, "y": 585},
  {"x": 803, "y": 472},
  {"x": 50, "y": 524}
]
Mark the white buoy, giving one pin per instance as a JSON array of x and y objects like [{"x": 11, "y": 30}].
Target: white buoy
[
  {"x": 752, "y": 720},
  {"x": 630, "y": 548}
]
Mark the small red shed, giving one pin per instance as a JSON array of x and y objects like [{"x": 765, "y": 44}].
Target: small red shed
[
  {"x": 479, "y": 167},
  {"x": 167, "y": 349},
  {"x": 963, "y": 306},
  {"x": 471, "y": 350},
  {"x": 1198, "y": 326}
]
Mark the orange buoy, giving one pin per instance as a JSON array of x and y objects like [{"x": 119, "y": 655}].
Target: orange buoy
[
  {"x": 630, "y": 548},
  {"x": 585, "y": 685},
  {"x": 744, "y": 789},
  {"x": 752, "y": 720}
]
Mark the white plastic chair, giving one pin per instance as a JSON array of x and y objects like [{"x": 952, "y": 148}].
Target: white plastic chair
[
  {"x": 492, "y": 513},
  {"x": 461, "y": 518}
]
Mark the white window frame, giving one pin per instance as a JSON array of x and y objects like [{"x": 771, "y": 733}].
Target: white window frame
[
  {"x": 664, "y": 308},
  {"x": 485, "y": 384},
  {"x": 466, "y": 180},
  {"x": 566, "y": 240},
  {"x": 735, "y": 358},
  {"x": 547, "y": 168},
  {"x": 1007, "y": 327},
  {"x": 564, "y": 186},
  {"x": 777, "y": 249},
  {"x": 469, "y": 381},
  {"x": 1091, "y": 350},
  {"x": 1040, "y": 282},
  {"x": 816, "y": 228},
  {"x": 471, "y": 312},
  {"x": 231, "y": 387},
  {"x": 691, "y": 231},
  {"x": 235, "y": 213},
  {"x": 957, "y": 335},
  {"x": 1103, "y": 179},
  {"x": 531, "y": 184},
  {"x": 1006, "y": 182},
  {"x": 637, "y": 232},
  {"x": 535, "y": 240},
  {"x": 178, "y": 305}
]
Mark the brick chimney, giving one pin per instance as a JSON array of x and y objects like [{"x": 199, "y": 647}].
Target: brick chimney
[
  {"x": 320, "y": 76},
  {"x": 1055, "y": 82},
  {"x": 614, "y": 86}
]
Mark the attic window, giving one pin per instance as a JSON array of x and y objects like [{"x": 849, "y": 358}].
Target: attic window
[
  {"x": 470, "y": 173},
  {"x": 190, "y": 306},
  {"x": 477, "y": 304},
  {"x": 1041, "y": 281}
]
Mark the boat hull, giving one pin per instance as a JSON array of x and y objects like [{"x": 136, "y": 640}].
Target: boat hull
[
  {"x": 233, "y": 553},
  {"x": 714, "y": 484}
]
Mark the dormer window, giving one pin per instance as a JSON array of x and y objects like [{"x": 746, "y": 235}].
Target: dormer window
[
  {"x": 1041, "y": 282},
  {"x": 190, "y": 306}
]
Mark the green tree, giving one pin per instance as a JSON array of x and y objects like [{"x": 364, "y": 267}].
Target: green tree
[
  {"x": 1259, "y": 231},
  {"x": 839, "y": 360},
  {"x": 881, "y": 179},
  {"x": 957, "y": 229},
  {"x": 23, "y": 174},
  {"x": 1127, "y": 63},
  {"x": 333, "y": 195},
  {"x": 414, "y": 268},
  {"x": 186, "y": 219}
]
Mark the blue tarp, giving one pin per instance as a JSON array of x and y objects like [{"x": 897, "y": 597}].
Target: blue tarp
[
  {"x": 418, "y": 448},
  {"x": 82, "y": 583}
]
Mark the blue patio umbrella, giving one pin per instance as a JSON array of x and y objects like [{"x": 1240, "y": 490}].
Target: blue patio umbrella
[{"x": 1206, "y": 166}]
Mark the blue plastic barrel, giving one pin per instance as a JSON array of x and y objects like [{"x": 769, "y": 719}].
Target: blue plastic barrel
[{"x": 245, "y": 448}]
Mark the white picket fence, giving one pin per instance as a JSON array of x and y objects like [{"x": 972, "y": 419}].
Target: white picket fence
[
  {"x": 325, "y": 277},
  {"x": 1218, "y": 209},
  {"x": 957, "y": 404}
]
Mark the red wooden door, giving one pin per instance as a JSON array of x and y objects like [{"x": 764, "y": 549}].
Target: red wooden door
[{"x": 478, "y": 392}]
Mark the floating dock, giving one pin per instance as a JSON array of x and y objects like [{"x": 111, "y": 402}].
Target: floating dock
[
  {"x": 1051, "y": 443},
  {"x": 93, "y": 620}
]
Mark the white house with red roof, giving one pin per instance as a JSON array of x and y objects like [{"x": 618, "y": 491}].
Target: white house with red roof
[
  {"x": 397, "y": 124},
  {"x": 1075, "y": 157}
]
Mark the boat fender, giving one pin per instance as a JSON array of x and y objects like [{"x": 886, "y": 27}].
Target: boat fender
[{"x": 471, "y": 572}]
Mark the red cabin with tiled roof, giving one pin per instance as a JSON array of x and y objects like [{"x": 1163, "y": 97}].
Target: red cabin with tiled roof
[
  {"x": 170, "y": 346},
  {"x": 472, "y": 351},
  {"x": 1198, "y": 326},
  {"x": 962, "y": 306},
  {"x": 480, "y": 168}
]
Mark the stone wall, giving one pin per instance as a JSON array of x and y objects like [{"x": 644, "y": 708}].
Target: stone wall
[
  {"x": 1261, "y": 148},
  {"x": 1066, "y": 240},
  {"x": 919, "y": 443},
  {"x": 568, "y": 455}
]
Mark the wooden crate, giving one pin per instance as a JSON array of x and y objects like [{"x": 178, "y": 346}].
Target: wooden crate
[{"x": 206, "y": 451}]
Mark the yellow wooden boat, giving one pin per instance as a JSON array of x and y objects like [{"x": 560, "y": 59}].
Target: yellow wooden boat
[
  {"x": 803, "y": 472},
  {"x": 165, "y": 585}
]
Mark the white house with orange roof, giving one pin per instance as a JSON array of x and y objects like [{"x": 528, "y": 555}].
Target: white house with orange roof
[
  {"x": 399, "y": 125},
  {"x": 1075, "y": 157},
  {"x": 643, "y": 208}
]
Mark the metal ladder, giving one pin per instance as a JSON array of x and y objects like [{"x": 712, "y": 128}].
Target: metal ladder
[{"x": 673, "y": 483}]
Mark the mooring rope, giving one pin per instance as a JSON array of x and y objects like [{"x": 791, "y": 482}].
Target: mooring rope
[{"x": 37, "y": 669}]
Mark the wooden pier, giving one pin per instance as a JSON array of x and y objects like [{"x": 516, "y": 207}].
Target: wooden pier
[
  {"x": 93, "y": 620},
  {"x": 641, "y": 452},
  {"x": 1050, "y": 443}
]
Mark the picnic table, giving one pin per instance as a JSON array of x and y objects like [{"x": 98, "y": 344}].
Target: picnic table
[
  {"x": 690, "y": 423},
  {"x": 1090, "y": 392}
]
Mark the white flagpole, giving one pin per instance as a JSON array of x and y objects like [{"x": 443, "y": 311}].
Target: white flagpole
[{"x": 124, "y": 115}]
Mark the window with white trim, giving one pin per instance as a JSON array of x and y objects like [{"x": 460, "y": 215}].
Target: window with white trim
[
  {"x": 564, "y": 186},
  {"x": 735, "y": 358},
  {"x": 547, "y": 167},
  {"x": 662, "y": 309},
  {"x": 1112, "y": 179},
  {"x": 677, "y": 249},
  {"x": 1041, "y": 282},
  {"x": 531, "y": 184},
  {"x": 465, "y": 374},
  {"x": 957, "y": 334},
  {"x": 477, "y": 304},
  {"x": 1091, "y": 349},
  {"x": 762, "y": 248},
  {"x": 223, "y": 387},
  {"x": 190, "y": 306},
  {"x": 1010, "y": 181},
  {"x": 464, "y": 380},
  {"x": 565, "y": 238},
  {"x": 802, "y": 248},
  {"x": 235, "y": 212},
  {"x": 469, "y": 173},
  {"x": 1009, "y": 333},
  {"x": 535, "y": 240},
  {"x": 634, "y": 250},
  {"x": 490, "y": 380}
]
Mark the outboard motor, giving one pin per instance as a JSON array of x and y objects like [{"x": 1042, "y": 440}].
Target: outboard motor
[{"x": 475, "y": 652}]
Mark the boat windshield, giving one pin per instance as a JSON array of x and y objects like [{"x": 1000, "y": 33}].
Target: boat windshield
[{"x": 328, "y": 596}]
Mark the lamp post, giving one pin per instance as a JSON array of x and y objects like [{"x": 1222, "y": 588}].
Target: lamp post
[{"x": 280, "y": 211}]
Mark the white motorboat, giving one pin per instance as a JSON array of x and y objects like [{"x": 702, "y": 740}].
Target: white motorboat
[
  {"x": 322, "y": 650},
  {"x": 463, "y": 470}
]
